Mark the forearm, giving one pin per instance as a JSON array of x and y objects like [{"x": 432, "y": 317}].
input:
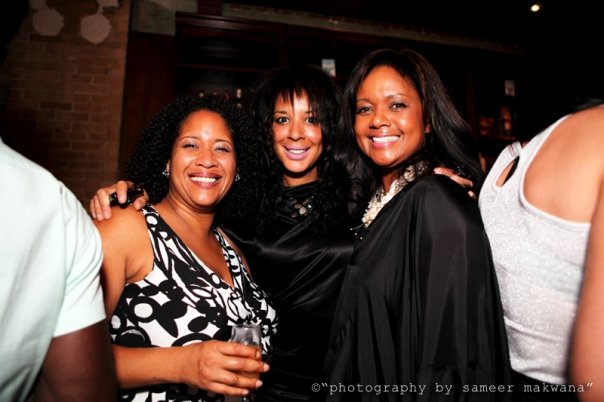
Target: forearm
[
  {"x": 216, "y": 366},
  {"x": 137, "y": 367},
  {"x": 78, "y": 367}
]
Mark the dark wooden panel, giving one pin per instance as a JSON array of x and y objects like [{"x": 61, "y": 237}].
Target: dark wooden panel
[{"x": 150, "y": 83}]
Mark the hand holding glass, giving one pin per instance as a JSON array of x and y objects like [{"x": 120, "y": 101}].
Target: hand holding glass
[{"x": 248, "y": 334}]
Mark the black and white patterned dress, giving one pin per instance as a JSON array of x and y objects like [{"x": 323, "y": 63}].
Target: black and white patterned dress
[{"x": 181, "y": 301}]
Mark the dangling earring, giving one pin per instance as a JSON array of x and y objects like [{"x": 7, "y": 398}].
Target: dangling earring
[
  {"x": 237, "y": 177},
  {"x": 166, "y": 173}
]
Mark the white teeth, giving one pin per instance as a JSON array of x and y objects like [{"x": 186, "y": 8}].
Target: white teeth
[
  {"x": 204, "y": 179},
  {"x": 389, "y": 138},
  {"x": 296, "y": 151}
]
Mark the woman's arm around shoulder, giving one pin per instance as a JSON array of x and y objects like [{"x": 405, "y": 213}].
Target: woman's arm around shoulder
[{"x": 100, "y": 205}]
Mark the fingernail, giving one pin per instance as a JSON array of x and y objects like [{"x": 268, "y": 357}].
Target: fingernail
[
  {"x": 265, "y": 367},
  {"x": 258, "y": 384}
]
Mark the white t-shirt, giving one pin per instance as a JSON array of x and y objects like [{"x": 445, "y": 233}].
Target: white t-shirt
[{"x": 50, "y": 257}]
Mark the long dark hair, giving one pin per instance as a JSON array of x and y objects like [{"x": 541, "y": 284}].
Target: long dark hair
[
  {"x": 323, "y": 95},
  {"x": 450, "y": 142}
]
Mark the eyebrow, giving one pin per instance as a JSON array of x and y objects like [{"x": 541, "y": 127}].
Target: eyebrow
[
  {"x": 309, "y": 111},
  {"x": 388, "y": 96},
  {"x": 194, "y": 137}
]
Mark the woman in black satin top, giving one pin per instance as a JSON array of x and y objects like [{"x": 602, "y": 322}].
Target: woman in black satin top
[{"x": 298, "y": 241}]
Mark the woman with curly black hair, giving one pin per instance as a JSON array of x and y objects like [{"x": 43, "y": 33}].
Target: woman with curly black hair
[{"x": 174, "y": 284}]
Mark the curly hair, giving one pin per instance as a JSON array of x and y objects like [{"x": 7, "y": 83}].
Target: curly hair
[
  {"x": 323, "y": 95},
  {"x": 154, "y": 147},
  {"x": 450, "y": 143}
]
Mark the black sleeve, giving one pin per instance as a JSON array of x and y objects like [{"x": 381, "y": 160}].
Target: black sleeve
[{"x": 462, "y": 341}]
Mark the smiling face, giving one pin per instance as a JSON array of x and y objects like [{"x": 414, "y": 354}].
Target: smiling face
[
  {"x": 297, "y": 139},
  {"x": 389, "y": 122},
  {"x": 202, "y": 165}
]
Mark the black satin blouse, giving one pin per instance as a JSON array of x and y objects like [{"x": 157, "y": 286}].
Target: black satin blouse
[
  {"x": 301, "y": 270},
  {"x": 420, "y": 306}
]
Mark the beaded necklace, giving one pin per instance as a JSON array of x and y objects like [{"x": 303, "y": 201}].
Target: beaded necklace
[{"x": 380, "y": 198}]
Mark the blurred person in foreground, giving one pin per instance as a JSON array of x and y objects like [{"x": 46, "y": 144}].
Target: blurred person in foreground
[
  {"x": 543, "y": 208},
  {"x": 54, "y": 344}
]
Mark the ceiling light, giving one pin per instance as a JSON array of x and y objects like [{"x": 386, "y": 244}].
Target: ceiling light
[{"x": 536, "y": 7}]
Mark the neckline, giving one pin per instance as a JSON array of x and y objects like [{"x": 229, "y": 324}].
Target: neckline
[
  {"x": 417, "y": 169},
  {"x": 299, "y": 201},
  {"x": 221, "y": 240},
  {"x": 303, "y": 189}
]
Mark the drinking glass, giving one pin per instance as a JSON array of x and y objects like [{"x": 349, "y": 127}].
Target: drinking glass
[{"x": 248, "y": 334}]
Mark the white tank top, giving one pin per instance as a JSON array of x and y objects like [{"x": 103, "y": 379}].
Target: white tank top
[{"x": 539, "y": 260}]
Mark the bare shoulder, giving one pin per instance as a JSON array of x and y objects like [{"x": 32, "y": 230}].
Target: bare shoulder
[
  {"x": 596, "y": 112},
  {"x": 128, "y": 254},
  {"x": 570, "y": 159},
  {"x": 125, "y": 223},
  {"x": 583, "y": 137},
  {"x": 588, "y": 125}
]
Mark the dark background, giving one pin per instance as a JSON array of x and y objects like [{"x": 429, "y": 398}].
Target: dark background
[{"x": 507, "y": 20}]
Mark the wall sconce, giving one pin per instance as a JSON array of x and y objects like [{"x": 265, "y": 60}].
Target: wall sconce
[{"x": 94, "y": 28}]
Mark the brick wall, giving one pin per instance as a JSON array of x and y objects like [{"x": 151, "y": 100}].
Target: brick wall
[{"x": 63, "y": 106}]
